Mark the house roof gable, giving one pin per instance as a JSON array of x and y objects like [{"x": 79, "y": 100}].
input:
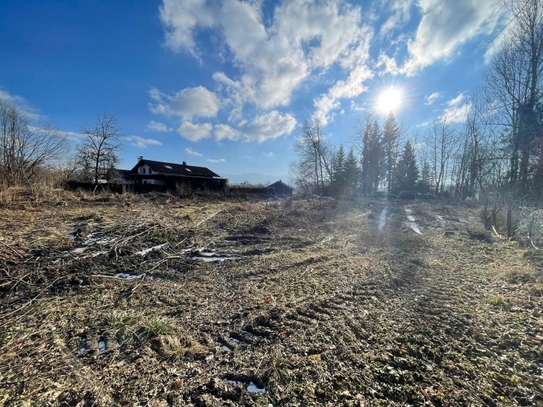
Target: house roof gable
[
  {"x": 175, "y": 169},
  {"x": 280, "y": 184}
]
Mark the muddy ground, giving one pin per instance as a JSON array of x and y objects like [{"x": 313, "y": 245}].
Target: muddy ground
[{"x": 201, "y": 302}]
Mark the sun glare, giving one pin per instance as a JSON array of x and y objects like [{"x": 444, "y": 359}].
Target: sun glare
[{"x": 389, "y": 100}]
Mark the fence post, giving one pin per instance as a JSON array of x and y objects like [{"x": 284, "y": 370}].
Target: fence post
[{"x": 509, "y": 224}]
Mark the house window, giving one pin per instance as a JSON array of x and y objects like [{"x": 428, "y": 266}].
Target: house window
[{"x": 143, "y": 170}]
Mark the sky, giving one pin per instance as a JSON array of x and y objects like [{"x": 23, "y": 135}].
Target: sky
[{"x": 228, "y": 84}]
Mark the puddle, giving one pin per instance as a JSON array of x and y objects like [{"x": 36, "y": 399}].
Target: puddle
[
  {"x": 412, "y": 221},
  {"x": 232, "y": 381},
  {"x": 382, "y": 219},
  {"x": 102, "y": 345},
  {"x": 132, "y": 276},
  {"x": 236, "y": 341},
  {"x": 150, "y": 249},
  {"x": 226, "y": 348},
  {"x": 83, "y": 346},
  {"x": 253, "y": 388}
]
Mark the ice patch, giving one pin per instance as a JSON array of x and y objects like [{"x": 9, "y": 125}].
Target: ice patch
[
  {"x": 252, "y": 388},
  {"x": 412, "y": 222},
  {"x": 102, "y": 344},
  {"x": 150, "y": 249}
]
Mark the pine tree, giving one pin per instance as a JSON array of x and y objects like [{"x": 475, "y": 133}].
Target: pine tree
[
  {"x": 337, "y": 183},
  {"x": 351, "y": 174},
  {"x": 391, "y": 134},
  {"x": 408, "y": 171}
]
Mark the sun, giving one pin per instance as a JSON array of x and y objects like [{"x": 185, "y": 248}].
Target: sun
[{"x": 389, "y": 100}]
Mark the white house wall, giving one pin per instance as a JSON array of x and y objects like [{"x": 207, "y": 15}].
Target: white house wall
[{"x": 145, "y": 169}]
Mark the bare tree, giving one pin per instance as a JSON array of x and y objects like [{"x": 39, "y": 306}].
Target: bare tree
[
  {"x": 25, "y": 148},
  {"x": 442, "y": 144},
  {"x": 98, "y": 154},
  {"x": 514, "y": 86},
  {"x": 314, "y": 158}
]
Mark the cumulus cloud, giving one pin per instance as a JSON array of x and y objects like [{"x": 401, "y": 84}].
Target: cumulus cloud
[
  {"x": 445, "y": 26},
  {"x": 187, "y": 103},
  {"x": 225, "y": 132},
  {"x": 267, "y": 126},
  {"x": 141, "y": 142},
  {"x": 158, "y": 127},
  {"x": 430, "y": 99},
  {"x": 324, "y": 109},
  {"x": 273, "y": 57},
  {"x": 190, "y": 151},
  {"x": 194, "y": 131}
]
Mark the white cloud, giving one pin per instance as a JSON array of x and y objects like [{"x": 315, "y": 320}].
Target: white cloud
[
  {"x": 216, "y": 160},
  {"x": 430, "y": 99},
  {"x": 445, "y": 26},
  {"x": 456, "y": 109},
  {"x": 141, "y": 142},
  {"x": 267, "y": 126},
  {"x": 457, "y": 100},
  {"x": 20, "y": 103},
  {"x": 325, "y": 107},
  {"x": 194, "y": 132},
  {"x": 158, "y": 127},
  {"x": 224, "y": 131},
  {"x": 187, "y": 103},
  {"x": 387, "y": 65},
  {"x": 269, "y": 154},
  {"x": 273, "y": 57},
  {"x": 400, "y": 14},
  {"x": 190, "y": 151}
]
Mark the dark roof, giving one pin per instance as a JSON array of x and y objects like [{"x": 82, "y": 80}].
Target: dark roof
[
  {"x": 280, "y": 184},
  {"x": 176, "y": 169}
]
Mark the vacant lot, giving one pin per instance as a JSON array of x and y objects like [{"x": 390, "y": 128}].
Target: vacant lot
[{"x": 272, "y": 303}]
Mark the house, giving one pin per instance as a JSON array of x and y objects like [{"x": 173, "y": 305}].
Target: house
[
  {"x": 279, "y": 188},
  {"x": 163, "y": 175}
]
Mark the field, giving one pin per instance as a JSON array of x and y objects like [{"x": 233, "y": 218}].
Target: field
[{"x": 212, "y": 302}]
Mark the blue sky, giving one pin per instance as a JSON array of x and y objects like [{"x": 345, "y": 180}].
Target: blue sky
[{"x": 227, "y": 84}]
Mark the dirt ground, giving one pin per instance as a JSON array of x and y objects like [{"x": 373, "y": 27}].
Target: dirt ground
[{"x": 201, "y": 302}]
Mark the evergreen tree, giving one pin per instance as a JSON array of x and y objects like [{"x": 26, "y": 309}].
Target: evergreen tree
[
  {"x": 408, "y": 171},
  {"x": 337, "y": 183},
  {"x": 391, "y": 134},
  {"x": 372, "y": 155},
  {"x": 351, "y": 174}
]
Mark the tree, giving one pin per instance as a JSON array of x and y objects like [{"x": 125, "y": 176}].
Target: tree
[
  {"x": 337, "y": 183},
  {"x": 314, "y": 158},
  {"x": 441, "y": 140},
  {"x": 408, "y": 171},
  {"x": 391, "y": 135},
  {"x": 26, "y": 148},
  {"x": 514, "y": 88},
  {"x": 372, "y": 156},
  {"x": 98, "y": 154}
]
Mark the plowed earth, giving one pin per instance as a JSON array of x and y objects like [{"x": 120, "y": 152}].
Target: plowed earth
[{"x": 272, "y": 303}]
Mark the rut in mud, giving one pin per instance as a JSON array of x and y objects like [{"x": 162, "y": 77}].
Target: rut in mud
[{"x": 367, "y": 303}]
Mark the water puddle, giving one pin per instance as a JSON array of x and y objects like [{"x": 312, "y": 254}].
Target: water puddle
[
  {"x": 83, "y": 346},
  {"x": 382, "y": 219},
  {"x": 412, "y": 221},
  {"x": 133, "y": 276},
  {"x": 253, "y": 388},
  {"x": 102, "y": 344}
]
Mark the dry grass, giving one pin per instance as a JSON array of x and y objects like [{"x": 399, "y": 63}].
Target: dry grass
[{"x": 317, "y": 305}]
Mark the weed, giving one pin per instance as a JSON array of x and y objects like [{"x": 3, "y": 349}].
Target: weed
[
  {"x": 159, "y": 326},
  {"x": 497, "y": 301},
  {"x": 118, "y": 321}
]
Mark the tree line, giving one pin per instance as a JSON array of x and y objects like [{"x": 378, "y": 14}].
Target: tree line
[
  {"x": 498, "y": 148},
  {"x": 33, "y": 154}
]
